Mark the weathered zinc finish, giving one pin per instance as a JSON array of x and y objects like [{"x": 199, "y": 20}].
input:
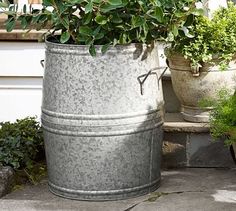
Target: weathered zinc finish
[{"x": 102, "y": 137}]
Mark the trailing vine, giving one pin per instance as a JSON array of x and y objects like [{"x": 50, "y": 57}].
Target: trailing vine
[{"x": 212, "y": 40}]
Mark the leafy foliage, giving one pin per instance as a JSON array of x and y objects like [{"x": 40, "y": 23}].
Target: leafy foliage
[
  {"x": 107, "y": 22},
  {"x": 22, "y": 147},
  {"x": 213, "y": 40},
  {"x": 223, "y": 117}
]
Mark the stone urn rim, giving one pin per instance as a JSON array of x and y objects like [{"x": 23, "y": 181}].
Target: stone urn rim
[{"x": 205, "y": 66}]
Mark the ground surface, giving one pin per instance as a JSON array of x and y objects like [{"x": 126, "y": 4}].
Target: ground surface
[{"x": 181, "y": 190}]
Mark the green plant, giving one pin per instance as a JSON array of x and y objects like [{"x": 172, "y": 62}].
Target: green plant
[
  {"x": 22, "y": 147},
  {"x": 223, "y": 117},
  {"x": 212, "y": 40},
  {"x": 106, "y": 22}
]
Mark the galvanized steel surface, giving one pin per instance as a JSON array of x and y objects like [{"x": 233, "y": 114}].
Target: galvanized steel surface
[
  {"x": 102, "y": 137},
  {"x": 191, "y": 91}
]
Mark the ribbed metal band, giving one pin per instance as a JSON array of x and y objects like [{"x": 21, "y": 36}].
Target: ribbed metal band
[
  {"x": 99, "y": 117},
  {"x": 104, "y": 195},
  {"x": 100, "y": 125},
  {"x": 99, "y": 134}
]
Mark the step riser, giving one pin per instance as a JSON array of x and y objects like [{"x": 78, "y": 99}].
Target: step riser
[{"x": 186, "y": 149}]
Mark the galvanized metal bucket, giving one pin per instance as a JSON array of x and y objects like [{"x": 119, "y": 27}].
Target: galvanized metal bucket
[{"x": 102, "y": 123}]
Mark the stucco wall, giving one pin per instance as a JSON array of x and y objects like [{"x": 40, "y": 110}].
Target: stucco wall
[{"x": 20, "y": 79}]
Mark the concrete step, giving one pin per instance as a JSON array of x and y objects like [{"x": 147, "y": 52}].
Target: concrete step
[{"x": 189, "y": 144}]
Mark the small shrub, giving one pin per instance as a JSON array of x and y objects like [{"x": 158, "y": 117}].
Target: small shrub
[
  {"x": 22, "y": 147},
  {"x": 223, "y": 117},
  {"x": 212, "y": 40}
]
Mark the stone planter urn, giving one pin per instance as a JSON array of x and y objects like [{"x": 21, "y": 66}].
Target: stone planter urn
[{"x": 194, "y": 86}]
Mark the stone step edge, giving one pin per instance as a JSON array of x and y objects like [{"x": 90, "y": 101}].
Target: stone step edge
[{"x": 174, "y": 122}]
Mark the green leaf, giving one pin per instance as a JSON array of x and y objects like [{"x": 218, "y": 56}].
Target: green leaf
[
  {"x": 105, "y": 48},
  {"x": 100, "y": 19},
  {"x": 145, "y": 29},
  {"x": 158, "y": 3},
  {"x": 96, "y": 31},
  {"x": 99, "y": 36},
  {"x": 175, "y": 30},
  {"x": 89, "y": 7},
  {"x": 158, "y": 14},
  {"x": 65, "y": 36},
  {"x": 115, "y": 2},
  {"x": 81, "y": 39},
  {"x": 89, "y": 41},
  {"x": 4, "y": 5},
  {"x": 42, "y": 18},
  {"x": 85, "y": 30},
  {"x": 170, "y": 37},
  {"x": 189, "y": 20},
  {"x": 198, "y": 12},
  {"x": 92, "y": 50},
  {"x": 87, "y": 18},
  {"x": 10, "y": 24},
  {"x": 108, "y": 7},
  {"x": 137, "y": 21},
  {"x": 115, "y": 18},
  {"x": 24, "y": 22},
  {"x": 47, "y": 3},
  {"x": 97, "y": 1},
  {"x": 61, "y": 7},
  {"x": 179, "y": 14},
  {"x": 75, "y": 1},
  {"x": 66, "y": 22},
  {"x": 123, "y": 38}
]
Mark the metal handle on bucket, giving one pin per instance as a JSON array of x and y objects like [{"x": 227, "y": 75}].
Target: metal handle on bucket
[
  {"x": 143, "y": 78},
  {"x": 42, "y": 63}
]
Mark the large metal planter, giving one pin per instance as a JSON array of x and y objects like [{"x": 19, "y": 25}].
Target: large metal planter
[
  {"x": 102, "y": 137},
  {"x": 194, "y": 86}
]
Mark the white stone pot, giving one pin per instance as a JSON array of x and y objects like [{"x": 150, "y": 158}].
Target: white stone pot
[{"x": 193, "y": 86}]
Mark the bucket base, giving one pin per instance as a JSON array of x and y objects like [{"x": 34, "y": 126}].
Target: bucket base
[
  {"x": 110, "y": 195},
  {"x": 196, "y": 114}
]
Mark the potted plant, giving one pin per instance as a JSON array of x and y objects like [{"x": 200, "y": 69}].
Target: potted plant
[
  {"x": 203, "y": 62},
  {"x": 223, "y": 120},
  {"x": 101, "y": 109}
]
